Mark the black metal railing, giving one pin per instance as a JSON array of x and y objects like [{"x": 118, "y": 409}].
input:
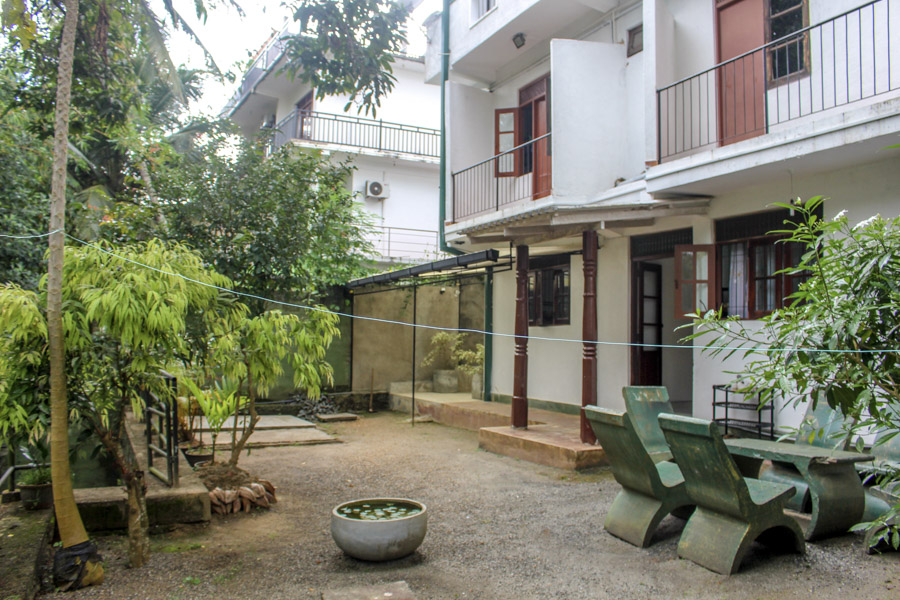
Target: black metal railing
[
  {"x": 357, "y": 132},
  {"x": 161, "y": 422},
  {"x": 8, "y": 476},
  {"x": 845, "y": 59},
  {"x": 402, "y": 244},
  {"x": 520, "y": 173}
]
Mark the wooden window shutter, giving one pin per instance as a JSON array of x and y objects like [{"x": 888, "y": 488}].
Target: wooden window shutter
[
  {"x": 506, "y": 126},
  {"x": 694, "y": 279}
]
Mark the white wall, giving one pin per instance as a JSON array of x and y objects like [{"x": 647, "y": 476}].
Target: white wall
[
  {"x": 862, "y": 190},
  {"x": 588, "y": 108}
]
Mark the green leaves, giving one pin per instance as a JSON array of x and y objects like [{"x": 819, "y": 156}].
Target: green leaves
[{"x": 346, "y": 47}]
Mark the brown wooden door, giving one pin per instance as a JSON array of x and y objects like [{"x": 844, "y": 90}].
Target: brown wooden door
[
  {"x": 542, "y": 168},
  {"x": 646, "y": 361},
  {"x": 742, "y": 82}
]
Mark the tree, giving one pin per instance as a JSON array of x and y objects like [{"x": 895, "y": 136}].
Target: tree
[
  {"x": 838, "y": 337},
  {"x": 346, "y": 47},
  {"x": 283, "y": 227}
]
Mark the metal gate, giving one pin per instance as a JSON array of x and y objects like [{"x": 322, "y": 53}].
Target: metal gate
[{"x": 161, "y": 420}]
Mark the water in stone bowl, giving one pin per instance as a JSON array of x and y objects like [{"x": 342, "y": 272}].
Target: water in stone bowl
[{"x": 379, "y": 529}]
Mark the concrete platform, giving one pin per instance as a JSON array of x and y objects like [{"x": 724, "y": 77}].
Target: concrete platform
[
  {"x": 552, "y": 438},
  {"x": 269, "y": 438},
  {"x": 398, "y": 590},
  {"x": 266, "y": 422}
]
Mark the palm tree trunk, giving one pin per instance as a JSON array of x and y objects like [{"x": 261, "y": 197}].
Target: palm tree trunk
[{"x": 71, "y": 528}]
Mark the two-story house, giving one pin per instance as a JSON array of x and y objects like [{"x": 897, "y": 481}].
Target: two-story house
[
  {"x": 395, "y": 156},
  {"x": 629, "y": 154}
]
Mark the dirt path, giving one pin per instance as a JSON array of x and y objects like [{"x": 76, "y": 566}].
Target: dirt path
[{"x": 498, "y": 529}]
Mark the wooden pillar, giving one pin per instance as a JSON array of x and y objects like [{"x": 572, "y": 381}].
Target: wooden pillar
[
  {"x": 519, "y": 411},
  {"x": 589, "y": 332}
]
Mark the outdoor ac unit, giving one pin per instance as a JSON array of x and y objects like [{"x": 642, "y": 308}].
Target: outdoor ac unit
[{"x": 377, "y": 190}]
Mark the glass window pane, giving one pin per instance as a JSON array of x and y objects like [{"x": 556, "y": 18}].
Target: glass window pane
[
  {"x": 651, "y": 314},
  {"x": 506, "y": 141},
  {"x": 506, "y": 121},
  {"x": 651, "y": 336},
  {"x": 687, "y": 266},
  {"x": 650, "y": 288},
  {"x": 786, "y": 24},
  {"x": 702, "y": 265},
  {"x": 687, "y": 296},
  {"x": 702, "y": 296}
]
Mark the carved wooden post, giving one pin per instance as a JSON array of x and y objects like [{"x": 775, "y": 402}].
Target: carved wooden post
[
  {"x": 519, "y": 411},
  {"x": 589, "y": 332}
]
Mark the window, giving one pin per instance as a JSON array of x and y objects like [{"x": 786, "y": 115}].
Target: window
[
  {"x": 549, "y": 290},
  {"x": 741, "y": 272},
  {"x": 635, "y": 40},
  {"x": 783, "y": 19},
  {"x": 482, "y": 7}
]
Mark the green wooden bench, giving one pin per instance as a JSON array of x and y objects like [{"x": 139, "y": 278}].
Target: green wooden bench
[
  {"x": 644, "y": 404},
  {"x": 880, "y": 497},
  {"x": 732, "y": 511},
  {"x": 649, "y": 491}
]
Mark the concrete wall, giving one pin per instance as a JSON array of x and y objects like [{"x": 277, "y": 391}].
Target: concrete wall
[{"x": 387, "y": 348}]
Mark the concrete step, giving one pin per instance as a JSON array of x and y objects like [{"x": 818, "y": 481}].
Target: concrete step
[
  {"x": 398, "y": 590},
  {"x": 542, "y": 444}
]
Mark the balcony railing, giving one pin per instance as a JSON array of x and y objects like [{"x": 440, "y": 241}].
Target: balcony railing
[
  {"x": 837, "y": 62},
  {"x": 268, "y": 56},
  {"x": 520, "y": 173},
  {"x": 356, "y": 132},
  {"x": 404, "y": 245}
]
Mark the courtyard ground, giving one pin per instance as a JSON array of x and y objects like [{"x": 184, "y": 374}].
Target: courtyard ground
[{"x": 499, "y": 528}]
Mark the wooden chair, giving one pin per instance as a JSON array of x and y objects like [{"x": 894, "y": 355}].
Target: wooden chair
[
  {"x": 644, "y": 404},
  {"x": 732, "y": 512},
  {"x": 649, "y": 491}
]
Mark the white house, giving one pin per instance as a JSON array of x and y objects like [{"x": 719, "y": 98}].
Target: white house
[
  {"x": 630, "y": 153},
  {"x": 395, "y": 156}
]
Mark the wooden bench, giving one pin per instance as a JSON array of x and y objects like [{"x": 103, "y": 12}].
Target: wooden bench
[
  {"x": 649, "y": 491},
  {"x": 732, "y": 511}
]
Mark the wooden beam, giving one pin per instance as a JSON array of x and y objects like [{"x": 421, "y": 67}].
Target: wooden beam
[
  {"x": 589, "y": 332},
  {"x": 519, "y": 409}
]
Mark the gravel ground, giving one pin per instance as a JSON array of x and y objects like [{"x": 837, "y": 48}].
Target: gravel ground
[{"x": 499, "y": 528}]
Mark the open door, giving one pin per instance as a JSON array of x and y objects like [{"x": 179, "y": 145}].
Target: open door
[
  {"x": 742, "y": 82},
  {"x": 647, "y": 327}
]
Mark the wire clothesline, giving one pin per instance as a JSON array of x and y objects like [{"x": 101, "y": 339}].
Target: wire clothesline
[{"x": 449, "y": 329}]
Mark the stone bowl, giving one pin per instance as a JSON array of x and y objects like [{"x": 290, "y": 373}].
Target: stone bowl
[{"x": 379, "y": 540}]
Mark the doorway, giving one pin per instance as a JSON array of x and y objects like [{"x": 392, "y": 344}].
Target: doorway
[
  {"x": 740, "y": 26},
  {"x": 657, "y": 356},
  {"x": 534, "y": 117}
]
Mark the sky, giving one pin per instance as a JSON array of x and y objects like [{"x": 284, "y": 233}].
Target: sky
[{"x": 232, "y": 39}]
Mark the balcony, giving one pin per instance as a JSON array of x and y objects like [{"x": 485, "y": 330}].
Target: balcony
[
  {"x": 809, "y": 79},
  {"x": 267, "y": 57},
  {"x": 357, "y": 133},
  {"x": 519, "y": 174},
  {"x": 404, "y": 245}
]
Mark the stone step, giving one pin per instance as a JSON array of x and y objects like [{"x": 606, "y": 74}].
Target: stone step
[{"x": 398, "y": 590}]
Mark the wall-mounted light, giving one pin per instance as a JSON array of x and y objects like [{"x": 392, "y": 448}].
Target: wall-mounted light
[{"x": 519, "y": 40}]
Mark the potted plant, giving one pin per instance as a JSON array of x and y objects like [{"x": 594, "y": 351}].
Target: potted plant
[
  {"x": 444, "y": 346},
  {"x": 216, "y": 404},
  {"x": 35, "y": 488},
  {"x": 471, "y": 363}
]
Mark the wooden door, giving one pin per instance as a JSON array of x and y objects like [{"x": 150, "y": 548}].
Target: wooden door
[
  {"x": 742, "y": 82},
  {"x": 647, "y": 326},
  {"x": 542, "y": 167}
]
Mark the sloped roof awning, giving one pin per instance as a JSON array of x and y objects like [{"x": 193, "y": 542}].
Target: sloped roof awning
[{"x": 464, "y": 261}]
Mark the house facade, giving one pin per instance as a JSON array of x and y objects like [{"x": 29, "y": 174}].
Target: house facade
[
  {"x": 629, "y": 155},
  {"x": 396, "y": 155}
]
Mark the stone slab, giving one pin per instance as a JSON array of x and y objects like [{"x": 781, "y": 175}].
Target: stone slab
[
  {"x": 105, "y": 508},
  {"x": 265, "y": 422},
  {"x": 398, "y": 590},
  {"x": 542, "y": 444},
  {"x": 277, "y": 437},
  {"x": 337, "y": 417}
]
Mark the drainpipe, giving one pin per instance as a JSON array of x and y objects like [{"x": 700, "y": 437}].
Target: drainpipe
[
  {"x": 488, "y": 366},
  {"x": 445, "y": 75}
]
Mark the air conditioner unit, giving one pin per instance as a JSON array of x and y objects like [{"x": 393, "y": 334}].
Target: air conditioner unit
[{"x": 377, "y": 190}]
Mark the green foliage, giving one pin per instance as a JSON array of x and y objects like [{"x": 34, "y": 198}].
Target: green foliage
[
  {"x": 39, "y": 476},
  {"x": 218, "y": 403},
  {"x": 470, "y": 362},
  {"x": 445, "y": 347},
  {"x": 346, "y": 47},
  {"x": 838, "y": 338},
  {"x": 282, "y": 227}
]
